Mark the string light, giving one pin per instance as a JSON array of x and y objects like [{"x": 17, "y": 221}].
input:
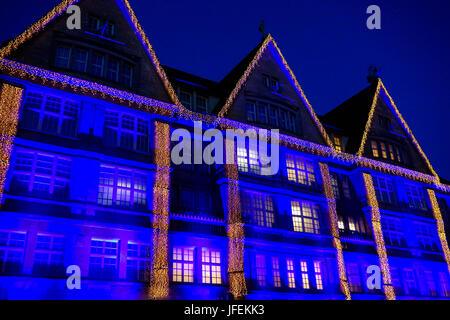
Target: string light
[
  {"x": 269, "y": 40},
  {"x": 440, "y": 226},
  {"x": 332, "y": 214},
  {"x": 10, "y": 102},
  {"x": 159, "y": 283},
  {"x": 378, "y": 235}
]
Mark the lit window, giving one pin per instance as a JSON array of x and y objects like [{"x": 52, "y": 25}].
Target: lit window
[
  {"x": 416, "y": 198},
  {"x": 202, "y": 104},
  {"x": 126, "y": 131},
  {"x": 375, "y": 149},
  {"x": 354, "y": 277},
  {"x": 183, "y": 264},
  {"x": 300, "y": 170},
  {"x": 261, "y": 270},
  {"x": 211, "y": 267},
  {"x": 276, "y": 272},
  {"x": 49, "y": 256},
  {"x": 444, "y": 284},
  {"x": 103, "y": 260},
  {"x": 398, "y": 154},
  {"x": 384, "y": 189},
  {"x": 391, "y": 152},
  {"x": 304, "y": 272},
  {"x": 338, "y": 143},
  {"x": 259, "y": 207},
  {"x": 383, "y": 150},
  {"x": 42, "y": 175},
  {"x": 12, "y": 247},
  {"x": 341, "y": 224},
  {"x": 242, "y": 159},
  {"x": 430, "y": 283},
  {"x": 50, "y": 114},
  {"x": 290, "y": 273},
  {"x": 392, "y": 231},
  {"x": 122, "y": 187},
  {"x": 425, "y": 234},
  {"x": 138, "y": 262},
  {"x": 318, "y": 274},
  {"x": 351, "y": 224},
  {"x": 410, "y": 282},
  {"x": 305, "y": 217}
]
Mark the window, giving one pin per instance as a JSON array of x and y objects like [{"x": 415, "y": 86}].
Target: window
[
  {"x": 444, "y": 283},
  {"x": 276, "y": 272},
  {"x": 416, "y": 198},
  {"x": 251, "y": 161},
  {"x": 430, "y": 284},
  {"x": 425, "y": 234},
  {"x": 304, "y": 273},
  {"x": 12, "y": 247},
  {"x": 122, "y": 187},
  {"x": 384, "y": 122},
  {"x": 354, "y": 277},
  {"x": 338, "y": 143},
  {"x": 50, "y": 114},
  {"x": 101, "y": 27},
  {"x": 262, "y": 113},
  {"x": 395, "y": 279},
  {"x": 211, "y": 267},
  {"x": 341, "y": 224},
  {"x": 126, "y": 131},
  {"x": 318, "y": 275},
  {"x": 305, "y": 217},
  {"x": 103, "y": 260},
  {"x": 41, "y": 174},
  {"x": 392, "y": 231},
  {"x": 335, "y": 185},
  {"x": 384, "y": 189},
  {"x": 271, "y": 82},
  {"x": 251, "y": 111},
  {"x": 79, "y": 60},
  {"x": 261, "y": 270},
  {"x": 202, "y": 104},
  {"x": 138, "y": 262},
  {"x": 62, "y": 57},
  {"x": 346, "y": 186},
  {"x": 112, "y": 70},
  {"x": 49, "y": 256},
  {"x": 383, "y": 150},
  {"x": 391, "y": 152},
  {"x": 410, "y": 282},
  {"x": 259, "y": 207},
  {"x": 375, "y": 152},
  {"x": 126, "y": 74},
  {"x": 97, "y": 64},
  {"x": 183, "y": 264},
  {"x": 273, "y": 115},
  {"x": 186, "y": 99},
  {"x": 300, "y": 170},
  {"x": 192, "y": 202},
  {"x": 290, "y": 273}
]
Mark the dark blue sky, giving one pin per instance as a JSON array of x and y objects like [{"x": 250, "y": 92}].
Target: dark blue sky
[{"x": 325, "y": 42}]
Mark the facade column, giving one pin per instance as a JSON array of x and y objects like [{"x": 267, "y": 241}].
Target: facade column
[
  {"x": 235, "y": 226},
  {"x": 332, "y": 216},
  {"x": 159, "y": 283},
  {"x": 10, "y": 102},
  {"x": 440, "y": 226},
  {"x": 378, "y": 236}
]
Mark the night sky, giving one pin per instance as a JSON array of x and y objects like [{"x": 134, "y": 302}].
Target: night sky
[{"x": 325, "y": 42}]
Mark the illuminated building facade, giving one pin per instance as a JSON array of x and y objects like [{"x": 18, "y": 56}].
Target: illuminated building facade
[{"x": 86, "y": 178}]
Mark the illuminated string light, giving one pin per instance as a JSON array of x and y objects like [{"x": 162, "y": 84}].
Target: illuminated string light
[
  {"x": 397, "y": 113},
  {"x": 440, "y": 226},
  {"x": 378, "y": 236},
  {"x": 159, "y": 283},
  {"x": 332, "y": 214},
  {"x": 10, "y": 102},
  {"x": 235, "y": 228},
  {"x": 250, "y": 69}
]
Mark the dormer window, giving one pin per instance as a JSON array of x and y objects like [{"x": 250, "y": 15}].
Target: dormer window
[
  {"x": 384, "y": 122},
  {"x": 386, "y": 150},
  {"x": 338, "y": 143}
]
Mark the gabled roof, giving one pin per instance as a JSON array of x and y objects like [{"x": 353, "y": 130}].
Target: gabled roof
[
  {"x": 351, "y": 116},
  {"x": 235, "y": 80},
  {"x": 61, "y": 8},
  {"x": 355, "y": 118}
]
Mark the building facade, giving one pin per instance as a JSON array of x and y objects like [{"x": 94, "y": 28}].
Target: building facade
[{"x": 86, "y": 178}]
